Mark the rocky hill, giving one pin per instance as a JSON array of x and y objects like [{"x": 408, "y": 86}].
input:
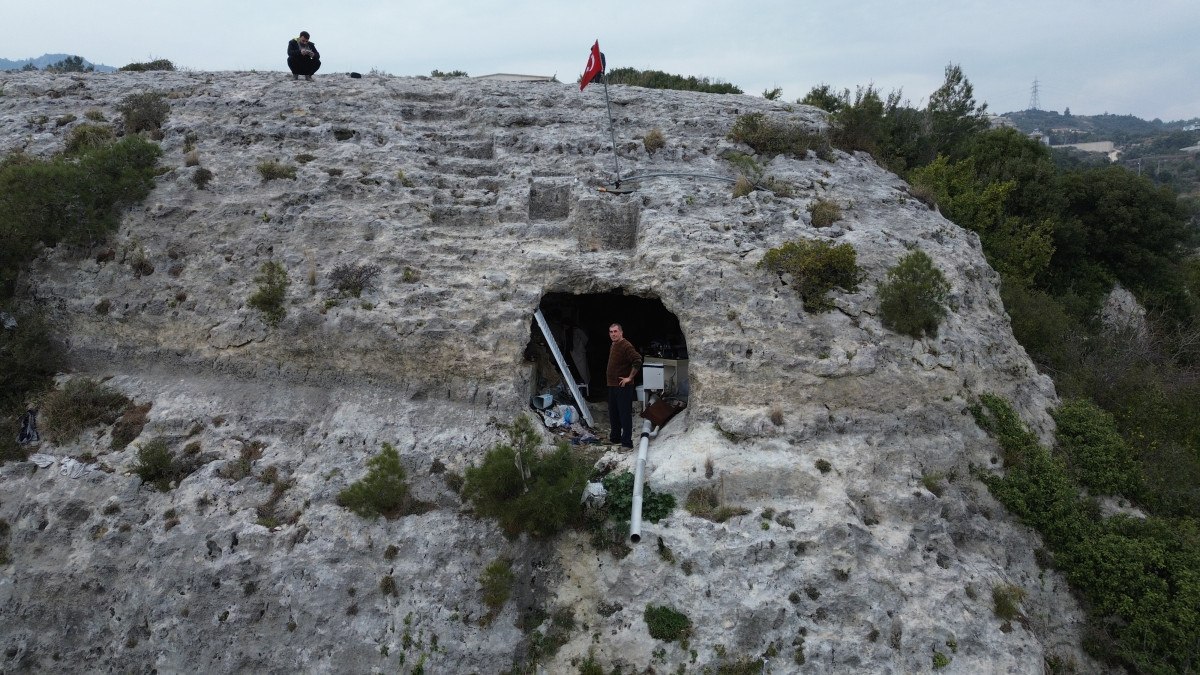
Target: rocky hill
[{"x": 478, "y": 200}]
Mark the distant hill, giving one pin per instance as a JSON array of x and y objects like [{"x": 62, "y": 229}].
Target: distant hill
[
  {"x": 1120, "y": 129},
  {"x": 48, "y": 59}
]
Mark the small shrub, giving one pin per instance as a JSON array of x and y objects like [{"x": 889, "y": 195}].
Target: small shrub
[
  {"x": 95, "y": 115},
  {"x": 155, "y": 464},
  {"x": 912, "y": 299},
  {"x": 405, "y": 181},
  {"x": 447, "y": 74},
  {"x": 79, "y": 404},
  {"x": 705, "y": 502},
  {"x": 524, "y": 490},
  {"x": 775, "y": 137},
  {"x": 351, "y": 279},
  {"x": 823, "y": 466},
  {"x": 825, "y": 212},
  {"x": 272, "y": 283},
  {"x": 202, "y": 177},
  {"x": 144, "y": 112},
  {"x": 1006, "y": 600},
  {"x": 742, "y": 187},
  {"x": 272, "y": 170},
  {"x": 940, "y": 660},
  {"x": 344, "y": 134},
  {"x": 129, "y": 426},
  {"x": 666, "y": 624},
  {"x": 816, "y": 267},
  {"x": 64, "y": 120},
  {"x": 242, "y": 466},
  {"x": 304, "y": 158},
  {"x": 933, "y": 482},
  {"x": 387, "y": 585},
  {"x": 383, "y": 491},
  {"x": 88, "y": 136},
  {"x": 411, "y": 275},
  {"x": 654, "y": 141},
  {"x": 497, "y": 580}
]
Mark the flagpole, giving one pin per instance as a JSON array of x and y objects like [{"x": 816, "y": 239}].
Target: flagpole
[{"x": 612, "y": 134}]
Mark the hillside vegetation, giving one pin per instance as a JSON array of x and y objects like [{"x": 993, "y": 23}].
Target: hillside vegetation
[{"x": 1129, "y": 429}]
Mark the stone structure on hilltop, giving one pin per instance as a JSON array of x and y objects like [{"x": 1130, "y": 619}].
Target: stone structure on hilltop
[{"x": 478, "y": 201}]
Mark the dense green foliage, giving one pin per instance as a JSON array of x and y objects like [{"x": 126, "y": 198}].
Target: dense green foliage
[
  {"x": 1140, "y": 579},
  {"x": 383, "y": 491},
  {"x": 816, "y": 267},
  {"x": 619, "y": 502},
  {"x": 71, "y": 64},
  {"x": 524, "y": 489},
  {"x": 156, "y": 64},
  {"x": 1097, "y": 455},
  {"x": 912, "y": 299},
  {"x": 666, "y": 624},
  {"x": 76, "y": 200},
  {"x": 155, "y": 464},
  {"x": 657, "y": 79}
]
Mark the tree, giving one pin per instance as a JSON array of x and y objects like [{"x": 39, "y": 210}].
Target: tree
[
  {"x": 824, "y": 97},
  {"x": 953, "y": 114},
  {"x": 71, "y": 64}
]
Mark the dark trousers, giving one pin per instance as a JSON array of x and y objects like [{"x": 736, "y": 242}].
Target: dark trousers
[
  {"x": 620, "y": 415},
  {"x": 301, "y": 65}
]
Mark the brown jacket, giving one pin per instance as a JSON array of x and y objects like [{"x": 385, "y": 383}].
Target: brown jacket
[{"x": 623, "y": 358}]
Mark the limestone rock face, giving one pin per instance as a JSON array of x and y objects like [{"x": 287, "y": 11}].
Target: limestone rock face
[{"x": 476, "y": 199}]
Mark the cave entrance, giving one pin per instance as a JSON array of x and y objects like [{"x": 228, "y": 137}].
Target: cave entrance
[{"x": 579, "y": 324}]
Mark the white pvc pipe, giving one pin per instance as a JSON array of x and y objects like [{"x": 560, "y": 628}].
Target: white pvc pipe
[{"x": 639, "y": 471}]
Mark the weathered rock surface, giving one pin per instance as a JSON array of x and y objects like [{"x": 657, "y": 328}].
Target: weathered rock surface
[{"x": 476, "y": 199}]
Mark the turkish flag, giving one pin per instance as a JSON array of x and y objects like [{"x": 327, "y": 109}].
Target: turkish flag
[{"x": 595, "y": 66}]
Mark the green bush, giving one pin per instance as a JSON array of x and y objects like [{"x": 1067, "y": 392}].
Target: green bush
[
  {"x": 524, "y": 490},
  {"x": 74, "y": 200},
  {"x": 202, "y": 177},
  {"x": 383, "y": 492},
  {"x": 88, "y": 136},
  {"x": 816, "y": 268},
  {"x": 619, "y": 486},
  {"x": 657, "y": 79},
  {"x": 79, "y": 404},
  {"x": 272, "y": 170},
  {"x": 825, "y": 212},
  {"x": 777, "y": 138},
  {"x": 497, "y": 581},
  {"x": 912, "y": 299},
  {"x": 155, "y": 464},
  {"x": 144, "y": 112},
  {"x": 156, "y": 64},
  {"x": 1006, "y": 601},
  {"x": 666, "y": 624},
  {"x": 1097, "y": 455},
  {"x": 272, "y": 283},
  {"x": 1140, "y": 579},
  {"x": 29, "y": 357}
]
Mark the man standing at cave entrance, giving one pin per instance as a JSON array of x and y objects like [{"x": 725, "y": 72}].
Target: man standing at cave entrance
[
  {"x": 303, "y": 57},
  {"x": 623, "y": 364}
]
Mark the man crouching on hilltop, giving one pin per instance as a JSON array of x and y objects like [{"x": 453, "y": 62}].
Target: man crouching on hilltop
[{"x": 303, "y": 57}]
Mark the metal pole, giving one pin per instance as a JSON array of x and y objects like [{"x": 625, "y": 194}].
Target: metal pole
[
  {"x": 612, "y": 134},
  {"x": 562, "y": 366}
]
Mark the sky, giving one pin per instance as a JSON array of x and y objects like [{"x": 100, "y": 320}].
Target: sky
[{"x": 1091, "y": 56}]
